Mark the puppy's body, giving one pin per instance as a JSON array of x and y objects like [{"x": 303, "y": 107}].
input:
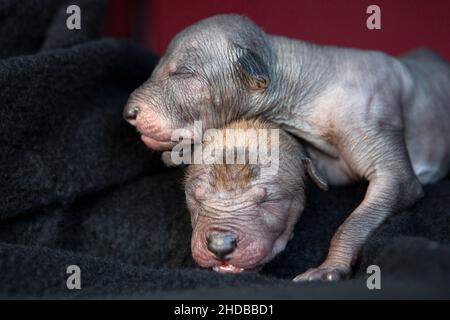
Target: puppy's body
[
  {"x": 423, "y": 114},
  {"x": 363, "y": 114}
]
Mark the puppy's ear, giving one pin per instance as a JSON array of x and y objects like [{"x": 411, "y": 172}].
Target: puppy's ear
[
  {"x": 315, "y": 174},
  {"x": 252, "y": 69}
]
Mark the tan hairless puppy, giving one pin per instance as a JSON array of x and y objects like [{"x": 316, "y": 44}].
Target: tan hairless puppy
[{"x": 243, "y": 213}]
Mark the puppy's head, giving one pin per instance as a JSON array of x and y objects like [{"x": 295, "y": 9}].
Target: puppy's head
[
  {"x": 215, "y": 71},
  {"x": 243, "y": 214}
]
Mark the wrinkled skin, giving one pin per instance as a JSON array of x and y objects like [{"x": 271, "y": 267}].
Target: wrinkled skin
[
  {"x": 364, "y": 115},
  {"x": 199, "y": 78},
  {"x": 259, "y": 208}
]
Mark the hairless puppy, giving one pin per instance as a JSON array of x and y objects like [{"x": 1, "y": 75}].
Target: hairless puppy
[
  {"x": 363, "y": 115},
  {"x": 243, "y": 213}
]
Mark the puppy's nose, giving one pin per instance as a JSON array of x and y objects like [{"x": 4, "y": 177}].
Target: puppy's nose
[
  {"x": 221, "y": 243},
  {"x": 130, "y": 112}
]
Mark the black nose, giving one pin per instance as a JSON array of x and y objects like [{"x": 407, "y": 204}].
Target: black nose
[
  {"x": 221, "y": 243},
  {"x": 130, "y": 112}
]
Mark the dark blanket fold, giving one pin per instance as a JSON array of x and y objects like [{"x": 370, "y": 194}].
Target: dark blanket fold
[{"x": 78, "y": 187}]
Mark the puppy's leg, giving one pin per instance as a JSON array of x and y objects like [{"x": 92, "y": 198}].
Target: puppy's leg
[{"x": 381, "y": 158}]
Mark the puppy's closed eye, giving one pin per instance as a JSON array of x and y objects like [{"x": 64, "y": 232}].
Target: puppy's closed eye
[{"x": 182, "y": 71}]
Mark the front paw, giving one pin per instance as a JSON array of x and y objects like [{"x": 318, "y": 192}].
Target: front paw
[
  {"x": 166, "y": 158},
  {"x": 324, "y": 273}
]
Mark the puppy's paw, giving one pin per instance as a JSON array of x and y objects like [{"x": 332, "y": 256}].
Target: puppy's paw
[
  {"x": 324, "y": 273},
  {"x": 166, "y": 158}
]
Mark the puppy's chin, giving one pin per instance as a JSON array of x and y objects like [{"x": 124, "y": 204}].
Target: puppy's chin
[
  {"x": 156, "y": 144},
  {"x": 229, "y": 268}
]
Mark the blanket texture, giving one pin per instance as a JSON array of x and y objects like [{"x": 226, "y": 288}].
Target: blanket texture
[{"x": 78, "y": 187}]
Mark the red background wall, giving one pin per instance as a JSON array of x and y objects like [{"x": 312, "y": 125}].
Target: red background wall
[{"x": 406, "y": 24}]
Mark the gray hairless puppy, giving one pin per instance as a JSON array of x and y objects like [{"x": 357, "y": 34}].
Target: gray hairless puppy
[{"x": 364, "y": 115}]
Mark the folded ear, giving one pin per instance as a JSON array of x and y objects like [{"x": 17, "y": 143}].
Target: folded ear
[
  {"x": 314, "y": 174},
  {"x": 252, "y": 69}
]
